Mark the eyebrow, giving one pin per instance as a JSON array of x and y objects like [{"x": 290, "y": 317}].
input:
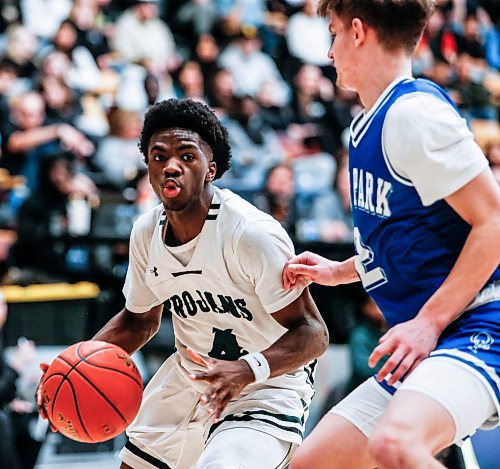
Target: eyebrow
[{"x": 183, "y": 146}]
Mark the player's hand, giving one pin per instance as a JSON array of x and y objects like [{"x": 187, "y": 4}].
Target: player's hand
[
  {"x": 226, "y": 379},
  {"x": 309, "y": 267},
  {"x": 39, "y": 398},
  {"x": 407, "y": 344}
]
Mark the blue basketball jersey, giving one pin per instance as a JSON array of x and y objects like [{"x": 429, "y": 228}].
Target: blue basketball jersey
[{"x": 404, "y": 249}]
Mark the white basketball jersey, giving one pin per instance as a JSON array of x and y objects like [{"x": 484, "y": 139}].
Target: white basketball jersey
[{"x": 221, "y": 306}]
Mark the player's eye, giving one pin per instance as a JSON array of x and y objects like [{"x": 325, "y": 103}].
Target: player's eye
[
  {"x": 187, "y": 157},
  {"x": 333, "y": 36},
  {"x": 158, "y": 157}
]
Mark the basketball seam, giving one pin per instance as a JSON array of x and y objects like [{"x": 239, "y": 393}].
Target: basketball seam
[
  {"x": 65, "y": 378},
  {"x": 84, "y": 358},
  {"x": 73, "y": 367}
]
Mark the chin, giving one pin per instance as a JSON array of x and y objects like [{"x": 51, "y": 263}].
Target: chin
[{"x": 174, "y": 205}]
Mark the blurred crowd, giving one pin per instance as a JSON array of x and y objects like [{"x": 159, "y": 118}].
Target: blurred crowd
[{"x": 77, "y": 76}]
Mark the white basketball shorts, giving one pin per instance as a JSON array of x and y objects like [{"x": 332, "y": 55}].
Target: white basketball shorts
[
  {"x": 172, "y": 428},
  {"x": 459, "y": 388}
]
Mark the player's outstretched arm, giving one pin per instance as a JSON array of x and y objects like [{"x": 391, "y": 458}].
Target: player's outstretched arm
[
  {"x": 131, "y": 330},
  {"x": 309, "y": 267},
  {"x": 305, "y": 340}
]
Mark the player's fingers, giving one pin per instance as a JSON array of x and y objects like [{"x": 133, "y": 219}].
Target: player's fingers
[
  {"x": 196, "y": 357},
  {"x": 220, "y": 403},
  {"x": 390, "y": 365},
  {"x": 386, "y": 336},
  {"x": 289, "y": 278},
  {"x": 302, "y": 269},
  {"x": 208, "y": 395},
  {"x": 401, "y": 369},
  {"x": 207, "y": 376},
  {"x": 38, "y": 396},
  {"x": 44, "y": 366},
  {"x": 379, "y": 351},
  {"x": 42, "y": 412}
]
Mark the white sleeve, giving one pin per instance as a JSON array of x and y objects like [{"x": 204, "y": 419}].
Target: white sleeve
[
  {"x": 262, "y": 251},
  {"x": 426, "y": 142},
  {"x": 138, "y": 297}
]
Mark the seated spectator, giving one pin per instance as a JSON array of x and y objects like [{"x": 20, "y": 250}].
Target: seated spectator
[
  {"x": 255, "y": 147},
  {"x": 252, "y": 68},
  {"x": 61, "y": 102},
  {"x": 196, "y": 17},
  {"x": 473, "y": 98},
  {"x": 469, "y": 40},
  {"x": 442, "y": 74},
  {"x": 307, "y": 36},
  {"x": 52, "y": 12},
  {"x": 190, "y": 82},
  {"x": 237, "y": 13},
  {"x": 492, "y": 41},
  {"x": 278, "y": 196},
  {"x": 21, "y": 47},
  {"x": 28, "y": 139},
  {"x": 8, "y": 77},
  {"x": 140, "y": 36},
  {"x": 118, "y": 155},
  {"x": 83, "y": 73},
  {"x": 206, "y": 53},
  {"x": 220, "y": 91},
  {"x": 313, "y": 103},
  {"x": 56, "y": 63},
  {"x": 85, "y": 16},
  {"x": 44, "y": 217},
  {"x": 439, "y": 37}
]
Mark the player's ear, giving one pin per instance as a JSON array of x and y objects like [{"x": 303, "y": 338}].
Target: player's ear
[
  {"x": 212, "y": 171},
  {"x": 359, "y": 31}
]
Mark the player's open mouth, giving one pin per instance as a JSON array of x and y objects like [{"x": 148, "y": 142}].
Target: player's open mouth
[{"x": 171, "y": 188}]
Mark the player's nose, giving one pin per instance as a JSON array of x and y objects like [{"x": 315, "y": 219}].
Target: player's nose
[
  {"x": 330, "y": 53},
  {"x": 172, "y": 167}
]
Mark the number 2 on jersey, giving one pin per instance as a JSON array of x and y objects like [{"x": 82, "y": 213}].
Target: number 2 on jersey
[{"x": 364, "y": 257}]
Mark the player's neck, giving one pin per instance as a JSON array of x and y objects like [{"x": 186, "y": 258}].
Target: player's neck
[
  {"x": 383, "y": 70},
  {"x": 185, "y": 225}
]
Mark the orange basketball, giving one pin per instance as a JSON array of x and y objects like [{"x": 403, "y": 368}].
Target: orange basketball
[{"x": 92, "y": 391}]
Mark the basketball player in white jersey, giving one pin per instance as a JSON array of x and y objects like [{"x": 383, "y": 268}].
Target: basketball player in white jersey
[
  {"x": 426, "y": 215},
  {"x": 237, "y": 390}
]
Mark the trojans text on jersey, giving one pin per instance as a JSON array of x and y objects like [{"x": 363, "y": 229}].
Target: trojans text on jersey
[
  {"x": 370, "y": 194},
  {"x": 190, "y": 304}
]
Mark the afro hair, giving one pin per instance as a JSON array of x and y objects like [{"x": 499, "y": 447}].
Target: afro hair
[{"x": 191, "y": 115}]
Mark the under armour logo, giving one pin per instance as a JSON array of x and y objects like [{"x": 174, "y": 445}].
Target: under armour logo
[
  {"x": 154, "y": 270},
  {"x": 481, "y": 340}
]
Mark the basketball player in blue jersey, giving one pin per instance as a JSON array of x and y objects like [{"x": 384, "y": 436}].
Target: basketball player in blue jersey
[
  {"x": 237, "y": 390},
  {"x": 426, "y": 213}
]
